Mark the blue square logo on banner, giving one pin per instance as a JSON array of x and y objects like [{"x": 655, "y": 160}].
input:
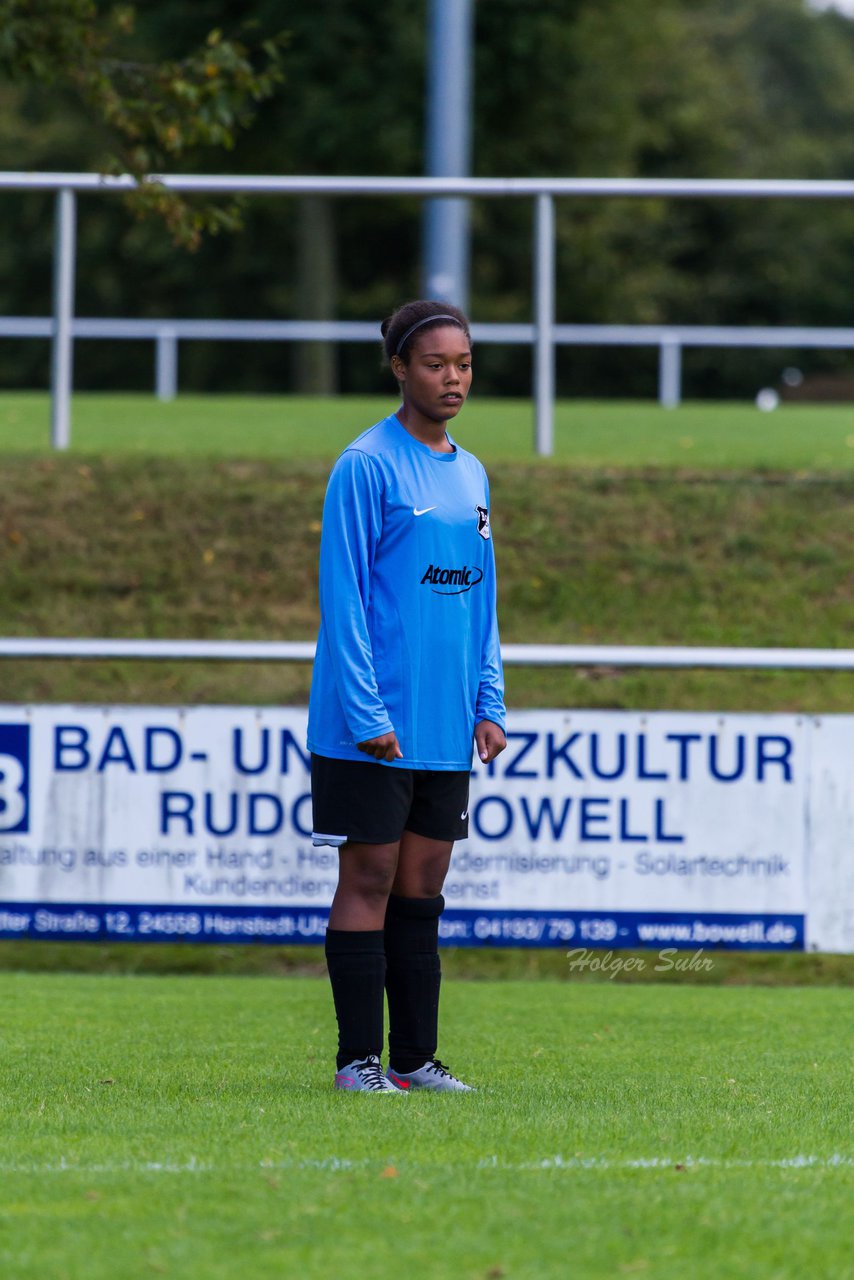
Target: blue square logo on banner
[{"x": 14, "y": 777}]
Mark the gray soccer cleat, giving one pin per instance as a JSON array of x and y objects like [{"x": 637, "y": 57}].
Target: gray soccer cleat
[
  {"x": 365, "y": 1077},
  {"x": 433, "y": 1075}
]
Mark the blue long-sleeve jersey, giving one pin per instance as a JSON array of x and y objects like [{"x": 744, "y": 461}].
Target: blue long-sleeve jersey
[{"x": 409, "y": 635}]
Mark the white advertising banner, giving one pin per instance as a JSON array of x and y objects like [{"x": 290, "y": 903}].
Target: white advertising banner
[{"x": 600, "y": 829}]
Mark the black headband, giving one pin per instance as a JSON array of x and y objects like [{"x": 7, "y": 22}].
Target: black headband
[{"x": 418, "y": 324}]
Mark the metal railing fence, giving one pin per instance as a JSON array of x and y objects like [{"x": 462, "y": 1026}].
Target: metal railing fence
[
  {"x": 670, "y": 340},
  {"x": 546, "y": 334},
  {"x": 537, "y": 655}
]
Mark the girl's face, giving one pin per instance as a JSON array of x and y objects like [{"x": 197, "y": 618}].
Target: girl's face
[{"x": 437, "y": 378}]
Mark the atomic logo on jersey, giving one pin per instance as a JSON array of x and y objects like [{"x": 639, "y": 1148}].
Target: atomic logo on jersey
[{"x": 459, "y": 579}]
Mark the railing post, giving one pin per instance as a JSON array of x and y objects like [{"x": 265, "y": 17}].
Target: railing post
[
  {"x": 62, "y": 353},
  {"x": 544, "y": 319},
  {"x": 670, "y": 373},
  {"x": 166, "y": 368}
]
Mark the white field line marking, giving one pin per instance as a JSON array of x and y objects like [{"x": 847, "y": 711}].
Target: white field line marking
[
  {"x": 834, "y": 1161},
  {"x": 337, "y": 1164}
]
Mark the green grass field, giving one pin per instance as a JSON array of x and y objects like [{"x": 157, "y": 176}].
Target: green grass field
[
  {"x": 187, "y": 1127},
  {"x": 616, "y": 433}
]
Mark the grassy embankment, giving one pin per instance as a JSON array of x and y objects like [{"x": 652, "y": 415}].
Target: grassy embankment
[{"x": 182, "y": 546}]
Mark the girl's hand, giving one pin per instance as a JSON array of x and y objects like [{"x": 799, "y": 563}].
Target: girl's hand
[
  {"x": 385, "y": 747},
  {"x": 489, "y": 739}
]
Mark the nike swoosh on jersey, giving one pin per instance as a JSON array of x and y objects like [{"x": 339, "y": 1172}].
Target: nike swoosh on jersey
[{"x": 423, "y": 510}]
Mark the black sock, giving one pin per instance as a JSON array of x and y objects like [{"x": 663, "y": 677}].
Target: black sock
[
  {"x": 356, "y": 964},
  {"x": 412, "y": 980}
]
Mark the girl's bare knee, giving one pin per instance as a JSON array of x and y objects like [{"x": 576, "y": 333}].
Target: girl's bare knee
[{"x": 368, "y": 871}]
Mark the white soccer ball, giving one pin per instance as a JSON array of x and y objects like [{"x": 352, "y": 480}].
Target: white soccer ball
[{"x": 767, "y": 399}]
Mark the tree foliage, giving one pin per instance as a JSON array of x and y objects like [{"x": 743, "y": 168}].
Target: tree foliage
[
  {"x": 698, "y": 88},
  {"x": 157, "y": 110},
  {"x": 677, "y": 88}
]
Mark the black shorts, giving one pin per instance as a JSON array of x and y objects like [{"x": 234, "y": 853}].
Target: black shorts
[{"x": 371, "y": 803}]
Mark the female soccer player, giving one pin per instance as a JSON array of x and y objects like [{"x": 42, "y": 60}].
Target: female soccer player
[{"x": 406, "y": 678}]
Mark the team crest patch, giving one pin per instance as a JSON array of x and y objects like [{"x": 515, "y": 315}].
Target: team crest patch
[{"x": 483, "y": 521}]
